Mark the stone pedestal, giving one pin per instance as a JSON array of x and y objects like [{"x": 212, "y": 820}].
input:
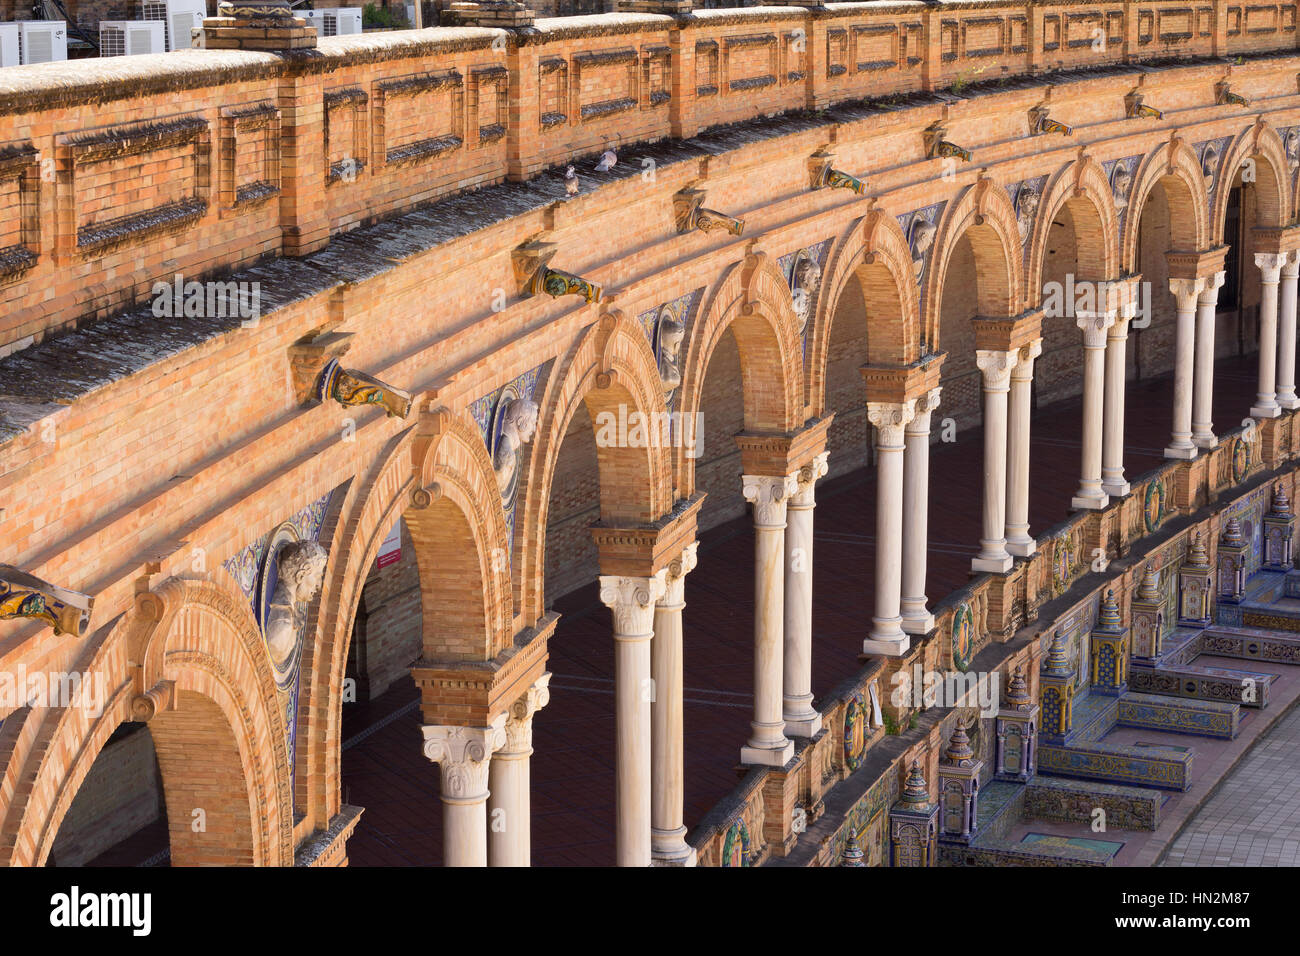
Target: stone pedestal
[{"x": 256, "y": 25}]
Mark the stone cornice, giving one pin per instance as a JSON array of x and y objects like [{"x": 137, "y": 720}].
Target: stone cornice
[
  {"x": 1008, "y": 334},
  {"x": 1195, "y": 265}
]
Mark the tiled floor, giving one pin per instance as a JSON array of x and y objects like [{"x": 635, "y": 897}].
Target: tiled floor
[
  {"x": 573, "y": 763},
  {"x": 1254, "y": 818}
]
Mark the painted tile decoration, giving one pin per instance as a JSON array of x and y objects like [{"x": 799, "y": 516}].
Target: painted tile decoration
[
  {"x": 246, "y": 566},
  {"x": 485, "y": 412},
  {"x": 819, "y": 253},
  {"x": 1129, "y": 165}
]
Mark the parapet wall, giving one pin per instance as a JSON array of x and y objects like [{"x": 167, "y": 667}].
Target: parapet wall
[{"x": 117, "y": 173}]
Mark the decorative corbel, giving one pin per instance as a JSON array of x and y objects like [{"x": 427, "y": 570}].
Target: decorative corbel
[
  {"x": 1135, "y": 108},
  {"x": 308, "y": 358},
  {"x": 822, "y": 175},
  {"x": 24, "y": 595},
  {"x": 691, "y": 214},
  {"x": 351, "y": 388},
  {"x": 1040, "y": 123},
  {"x": 162, "y": 696},
  {"x": 534, "y": 274},
  {"x": 1224, "y": 96},
  {"x": 936, "y": 146}
]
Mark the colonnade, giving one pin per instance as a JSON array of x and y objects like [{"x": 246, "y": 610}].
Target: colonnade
[{"x": 485, "y": 770}]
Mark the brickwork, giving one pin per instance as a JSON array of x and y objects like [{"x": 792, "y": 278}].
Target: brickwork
[{"x": 140, "y": 454}]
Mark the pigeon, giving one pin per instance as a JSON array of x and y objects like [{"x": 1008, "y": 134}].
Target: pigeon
[
  {"x": 571, "y": 181},
  {"x": 608, "y": 159}
]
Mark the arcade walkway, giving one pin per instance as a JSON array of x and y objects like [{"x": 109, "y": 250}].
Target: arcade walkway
[{"x": 573, "y": 762}]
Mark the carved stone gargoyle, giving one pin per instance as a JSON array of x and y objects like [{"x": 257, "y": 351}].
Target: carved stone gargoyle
[
  {"x": 822, "y": 175},
  {"x": 691, "y": 214},
  {"x": 25, "y": 595},
  {"x": 937, "y": 147},
  {"x": 1224, "y": 96},
  {"x": 534, "y": 274},
  {"x": 1040, "y": 123},
  {"x": 350, "y": 387},
  {"x": 1134, "y": 107}
]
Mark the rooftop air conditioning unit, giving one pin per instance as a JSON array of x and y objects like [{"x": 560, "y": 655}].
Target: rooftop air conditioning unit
[
  {"x": 41, "y": 41},
  {"x": 180, "y": 16},
  {"x": 130, "y": 37},
  {"x": 9, "y": 44},
  {"x": 331, "y": 23}
]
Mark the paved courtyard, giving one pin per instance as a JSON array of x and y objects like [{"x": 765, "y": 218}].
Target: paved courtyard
[{"x": 1254, "y": 817}]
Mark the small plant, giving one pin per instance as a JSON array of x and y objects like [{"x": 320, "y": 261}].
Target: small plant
[
  {"x": 891, "y": 725},
  {"x": 373, "y": 15}
]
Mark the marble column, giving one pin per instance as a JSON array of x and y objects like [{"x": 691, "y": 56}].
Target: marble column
[
  {"x": 1286, "y": 335},
  {"x": 1270, "y": 267},
  {"x": 1186, "y": 291},
  {"x": 509, "y": 810},
  {"x": 1019, "y": 541},
  {"x": 996, "y": 379},
  {"x": 464, "y": 755},
  {"x": 917, "y": 618},
  {"x": 801, "y": 718},
  {"x": 668, "y": 846},
  {"x": 1094, "y": 325},
  {"x": 632, "y": 601},
  {"x": 1203, "y": 382},
  {"x": 1112, "y": 442},
  {"x": 768, "y": 744},
  {"x": 887, "y": 635}
]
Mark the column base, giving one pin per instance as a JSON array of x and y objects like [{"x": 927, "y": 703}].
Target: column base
[
  {"x": 1115, "y": 487},
  {"x": 669, "y": 848},
  {"x": 993, "y": 565},
  {"x": 1020, "y": 544},
  {"x": 1265, "y": 411},
  {"x": 803, "y": 725},
  {"x": 891, "y": 647},
  {"x": 767, "y": 758},
  {"x": 1205, "y": 440},
  {"x": 1288, "y": 403},
  {"x": 1091, "y": 501},
  {"x": 1186, "y": 452},
  {"x": 918, "y": 623}
]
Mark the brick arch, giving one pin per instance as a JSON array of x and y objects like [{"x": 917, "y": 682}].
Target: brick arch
[
  {"x": 438, "y": 476},
  {"x": 1261, "y": 143},
  {"x": 753, "y": 300},
  {"x": 1175, "y": 167},
  {"x": 1083, "y": 188},
  {"x": 610, "y": 365},
  {"x": 876, "y": 251},
  {"x": 222, "y": 749},
  {"x": 984, "y": 214}
]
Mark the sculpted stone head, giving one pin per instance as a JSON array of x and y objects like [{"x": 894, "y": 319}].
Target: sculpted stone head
[
  {"x": 1120, "y": 180},
  {"x": 518, "y": 424},
  {"x": 301, "y": 569}
]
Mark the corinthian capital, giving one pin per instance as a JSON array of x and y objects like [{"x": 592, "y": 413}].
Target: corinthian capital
[
  {"x": 769, "y": 495},
  {"x": 996, "y": 367},
  {"x": 807, "y": 476},
  {"x": 519, "y": 719},
  {"x": 1094, "y": 326},
  {"x": 926, "y": 403},
  {"x": 678, "y": 568},
  {"x": 1270, "y": 263},
  {"x": 890, "y": 419},
  {"x": 1187, "y": 291},
  {"x": 633, "y": 602},
  {"x": 464, "y": 754}
]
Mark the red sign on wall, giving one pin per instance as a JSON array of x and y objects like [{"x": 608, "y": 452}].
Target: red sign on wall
[{"x": 390, "y": 550}]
